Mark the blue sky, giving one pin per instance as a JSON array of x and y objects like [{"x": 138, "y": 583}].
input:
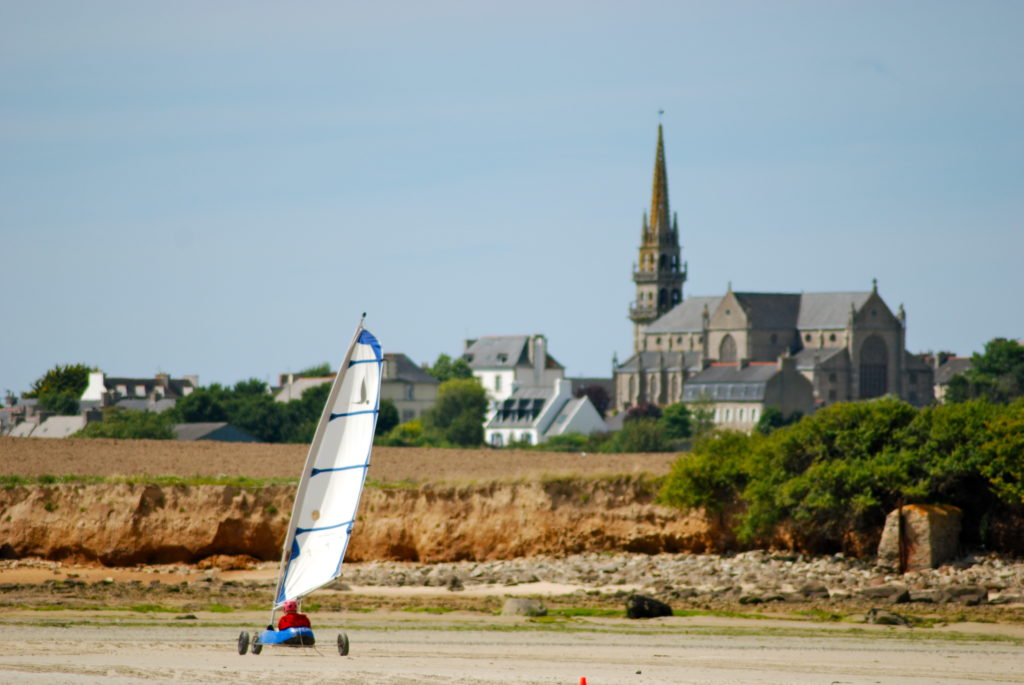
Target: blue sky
[{"x": 222, "y": 188}]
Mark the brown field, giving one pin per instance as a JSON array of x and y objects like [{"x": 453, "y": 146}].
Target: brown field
[{"x": 101, "y": 457}]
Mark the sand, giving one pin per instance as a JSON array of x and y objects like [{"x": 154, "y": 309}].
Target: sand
[{"x": 69, "y": 647}]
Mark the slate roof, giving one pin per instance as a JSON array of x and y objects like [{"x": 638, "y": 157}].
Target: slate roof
[
  {"x": 722, "y": 382},
  {"x": 685, "y": 317},
  {"x": 564, "y": 414},
  {"x": 952, "y": 367},
  {"x": 405, "y": 369},
  {"x": 522, "y": 408},
  {"x": 810, "y": 357},
  {"x": 175, "y": 387},
  {"x": 770, "y": 310},
  {"x": 502, "y": 351},
  {"x": 671, "y": 360},
  {"x": 216, "y": 430},
  {"x": 59, "y": 427},
  {"x": 828, "y": 310},
  {"x": 767, "y": 311}
]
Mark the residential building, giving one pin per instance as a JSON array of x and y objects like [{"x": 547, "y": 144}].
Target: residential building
[
  {"x": 533, "y": 414},
  {"x": 505, "y": 363},
  {"x": 105, "y": 391}
]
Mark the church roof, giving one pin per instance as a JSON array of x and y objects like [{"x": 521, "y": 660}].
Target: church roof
[
  {"x": 650, "y": 361},
  {"x": 767, "y": 310},
  {"x": 685, "y": 317},
  {"x": 660, "y": 220},
  {"x": 828, "y": 310},
  {"x": 811, "y": 357},
  {"x": 771, "y": 310}
]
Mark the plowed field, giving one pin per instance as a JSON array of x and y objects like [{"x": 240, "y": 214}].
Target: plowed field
[{"x": 100, "y": 457}]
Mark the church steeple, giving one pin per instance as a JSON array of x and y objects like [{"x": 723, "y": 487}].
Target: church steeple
[
  {"x": 660, "y": 274},
  {"x": 659, "y": 195}
]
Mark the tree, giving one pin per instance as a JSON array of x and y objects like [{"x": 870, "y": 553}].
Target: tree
[
  {"x": 458, "y": 415},
  {"x": 444, "y": 369},
  {"x": 202, "y": 405},
  {"x": 772, "y": 418},
  {"x": 676, "y": 421},
  {"x": 642, "y": 411},
  {"x": 387, "y": 419},
  {"x": 702, "y": 412},
  {"x": 997, "y": 374},
  {"x": 125, "y": 424},
  {"x": 73, "y": 378},
  {"x": 315, "y": 371},
  {"x": 643, "y": 434}
]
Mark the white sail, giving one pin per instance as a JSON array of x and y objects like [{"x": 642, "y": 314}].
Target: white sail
[{"x": 332, "y": 480}]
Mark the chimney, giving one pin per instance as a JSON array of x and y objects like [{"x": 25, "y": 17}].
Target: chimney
[{"x": 539, "y": 358}]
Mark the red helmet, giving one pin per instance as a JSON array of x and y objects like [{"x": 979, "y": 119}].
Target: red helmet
[{"x": 290, "y": 606}]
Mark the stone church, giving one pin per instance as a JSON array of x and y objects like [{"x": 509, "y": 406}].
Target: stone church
[{"x": 746, "y": 351}]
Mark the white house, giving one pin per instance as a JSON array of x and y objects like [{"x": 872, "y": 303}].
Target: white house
[
  {"x": 506, "y": 363},
  {"x": 534, "y": 414}
]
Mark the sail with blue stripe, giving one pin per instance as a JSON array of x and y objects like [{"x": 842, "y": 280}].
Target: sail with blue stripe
[{"x": 332, "y": 480}]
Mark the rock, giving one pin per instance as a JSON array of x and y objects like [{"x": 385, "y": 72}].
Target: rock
[
  {"x": 228, "y": 562},
  {"x": 969, "y": 595},
  {"x": 638, "y": 606},
  {"x": 886, "y": 618},
  {"x": 931, "y": 534},
  {"x": 517, "y": 606},
  {"x": 813, "y": 589},
  {"x": 897, "y": 594},
  {"x": 455, "y": 585}
]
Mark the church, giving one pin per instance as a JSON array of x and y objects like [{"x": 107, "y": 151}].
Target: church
[{"x": 743, "y": 352}]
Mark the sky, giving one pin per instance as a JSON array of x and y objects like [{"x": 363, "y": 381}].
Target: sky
[{"x": 222, "y": 188}]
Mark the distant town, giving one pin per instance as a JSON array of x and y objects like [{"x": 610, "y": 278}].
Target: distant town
[{"x": 736, "y": 360}]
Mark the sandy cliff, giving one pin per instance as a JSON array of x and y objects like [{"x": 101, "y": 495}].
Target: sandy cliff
[{"x": 123, "y": 524}]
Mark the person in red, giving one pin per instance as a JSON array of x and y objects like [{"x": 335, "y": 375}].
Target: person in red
[{"x": 292, "y": 618}]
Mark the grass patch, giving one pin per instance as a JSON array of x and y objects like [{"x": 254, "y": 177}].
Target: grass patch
[
  {"x": 218, "y": 608},
  {"x": 428, "y": 610},
  {"x": 572, "y": 612}
]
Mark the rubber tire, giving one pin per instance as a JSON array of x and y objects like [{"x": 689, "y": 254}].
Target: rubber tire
[
  {"x": 342, "y": 644},
  {"x": 243, "y": 642},
  {"x": 257, "y": 646}
]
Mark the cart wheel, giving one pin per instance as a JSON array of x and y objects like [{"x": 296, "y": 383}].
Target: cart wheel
[
  {"x": 257, "y": 646},
  {"x": 243, "y": 642},
  {"x": 343, "y": 644}
]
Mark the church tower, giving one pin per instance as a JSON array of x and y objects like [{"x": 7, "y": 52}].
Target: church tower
[{"x": 660, "y": 275}]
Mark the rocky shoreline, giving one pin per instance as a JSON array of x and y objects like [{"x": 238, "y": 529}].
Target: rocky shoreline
[{"x": 753, "y": 577}]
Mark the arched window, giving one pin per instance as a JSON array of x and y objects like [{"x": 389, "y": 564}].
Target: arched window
[
  {"x": 874, "y": 366},
  {"x": 727, "y": 349},
  {"x": 662, "y": 297},
  {"x": 661, "y": 263}
]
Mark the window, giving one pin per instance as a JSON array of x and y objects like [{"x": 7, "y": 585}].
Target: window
[
  {"x": 140, "y": 390},
  {"x": 740, "y": 414},
  {"x": 727, "y": 350},
  {"x": 526, "y": 438},
  {"x": 497, "y": 381},
  {"x": 832, "y": 337},
  {"x": 409, "y": 391},
  {"x": 728, "y": 415},
  {"x": 753, "y": 414},
  {"x": 807, "y": 337},
  {"x": 496, "y": 440}
]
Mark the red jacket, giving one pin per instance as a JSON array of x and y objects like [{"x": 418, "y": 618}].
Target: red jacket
[{"x": 295, "y": 620}]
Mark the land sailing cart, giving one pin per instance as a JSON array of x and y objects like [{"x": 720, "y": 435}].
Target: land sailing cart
[{"x": 327, "y": 498}]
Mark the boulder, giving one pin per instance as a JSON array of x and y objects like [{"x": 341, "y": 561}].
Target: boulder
[
  {"x": 518, "y": 606},
  {"x": 638, "y": 606},
  {"x": 931, "y": 536},
  {"x": 886, "y": 618}
]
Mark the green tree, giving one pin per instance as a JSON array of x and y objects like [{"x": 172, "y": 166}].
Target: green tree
[
  {"x": 203, "y": 405},
  {"x": 643, "y": 434},
  {"x": 72, "y": 378},
  {"x": 997, "y": 374},
  {"x": 387, "y": 419},
  {"x": 702, "y": 413},
  {"x": 124, "y": 424},
  {"x": 315, "y": 371},
  {"x": 713, "y": 475},
  {"x": 676, "y": 421},
  {"x": 458, "y": 415},
  {"x": 772, "y": 419},
  {"x": 408, "y": 434},
  {"x": 444, "y": 369}
]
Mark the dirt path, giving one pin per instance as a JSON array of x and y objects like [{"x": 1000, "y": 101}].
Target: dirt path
[{"x": 69, "y": 647}]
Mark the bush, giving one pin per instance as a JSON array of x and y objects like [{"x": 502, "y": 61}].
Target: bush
[
  {"x": 638, "y": 435},
  {"x": 837, "y": 474},
  {"x": 125, "y": 424}
]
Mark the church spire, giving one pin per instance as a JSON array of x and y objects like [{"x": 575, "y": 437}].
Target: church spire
[
  {"x": 660, "y": 273},
  {"x": 660, "y": 220}
]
